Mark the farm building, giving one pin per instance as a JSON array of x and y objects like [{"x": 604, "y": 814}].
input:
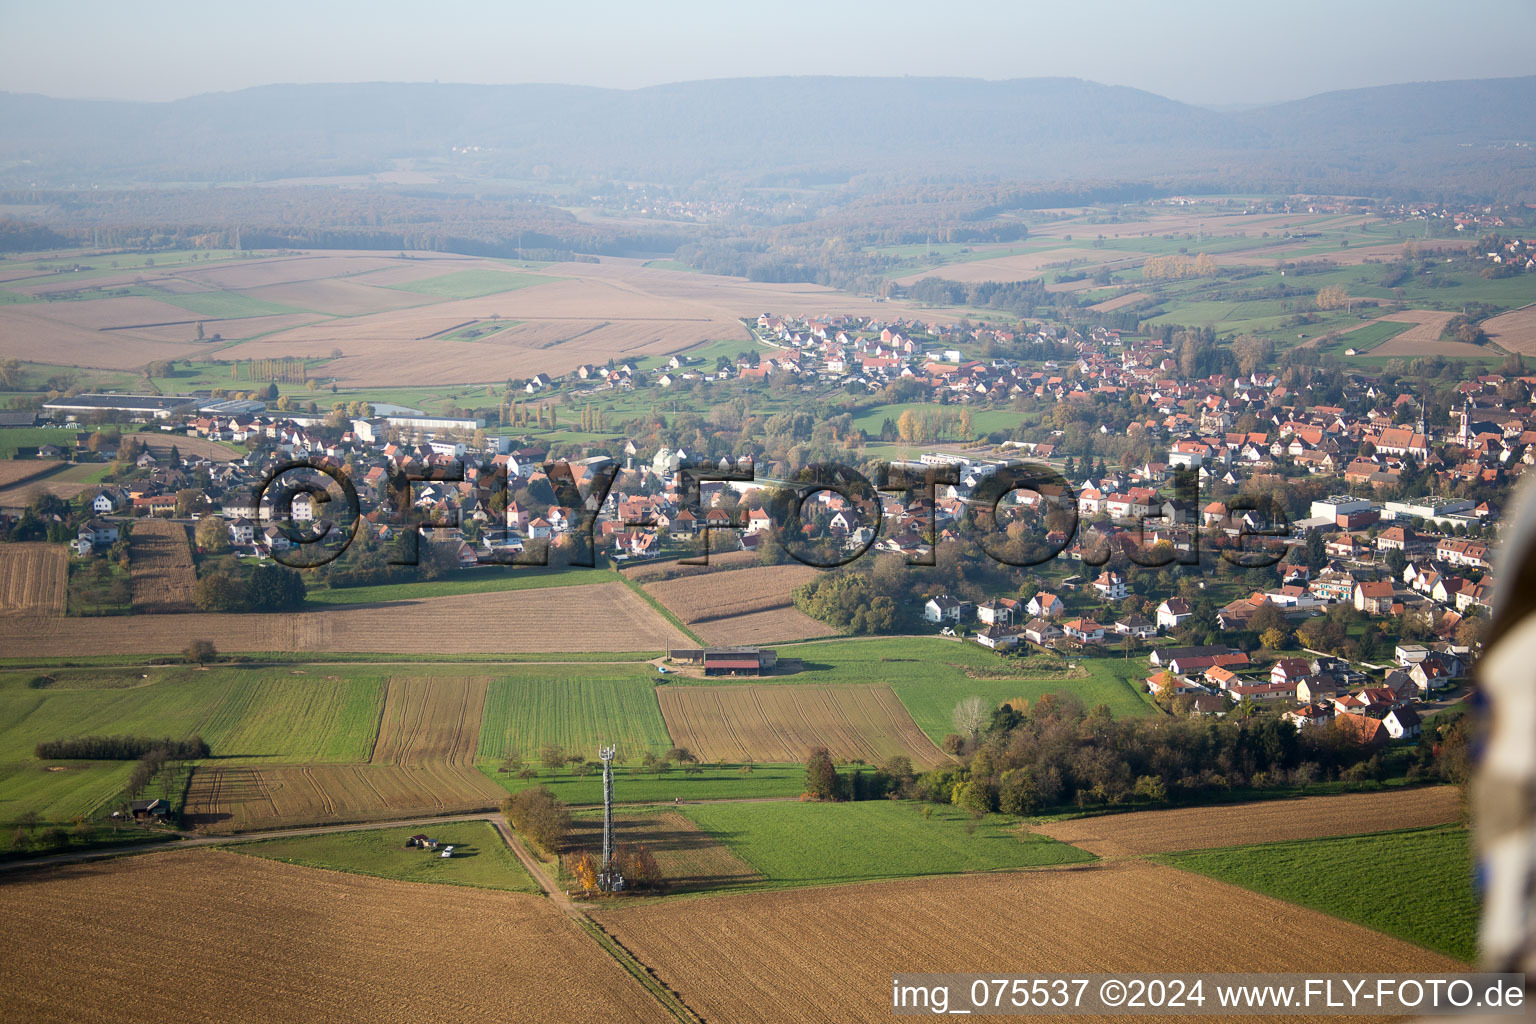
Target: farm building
[
  {"x": 729, "y": 661},
  {"x": 150, "y": 810},
  {"x": 159, "y": 407}
]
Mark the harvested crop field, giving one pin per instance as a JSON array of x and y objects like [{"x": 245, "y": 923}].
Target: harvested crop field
[
  {"x": 1264, "y": 821},
  {"x": 223, "y": 927},
  {"x": 782, "y": 721},
  {"x": 15, "y": 471},
  {"x": 649, "y": 572},
  {"x": 591, "y": 617},
  {"x": 1514, "y": 331},
  {"x": 1119, "y": 302},
  {"x": 32, "y": 579},
  {"x": 201, "y": 447},
  {"x": 701, "y": 598},
  {"x": 828, "y": 954},
  {"x": 776, "y": 625},
  {"x": 1423, "y": 338},
  {"x": 236, "y": 799},
  {"x": 60, "y": 479},
  {"x": 423, "y": 761},
  {"x": 430, "y": 719},
  {"x": 160, "y": 567},
  {"x": 690, "y": 859}
]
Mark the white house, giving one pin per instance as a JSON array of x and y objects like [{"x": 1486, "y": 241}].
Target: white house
[
  {"x": 1111, "y": 586},
  {"x": 1172, "y": 612},
  {"x": 1045, "y": 606},
  {"x": 944, "y": 608},
  {"x": 242, "y": 532}
]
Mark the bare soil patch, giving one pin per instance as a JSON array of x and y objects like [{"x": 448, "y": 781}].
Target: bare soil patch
[
  {"x": 243, "y": 939},
  {"x": 828, "y": 954},
  {"x": 781, "y": 722},
  {"x": 1264, "y": 821}
]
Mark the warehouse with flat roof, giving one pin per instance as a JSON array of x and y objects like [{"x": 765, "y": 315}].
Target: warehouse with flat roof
[{"x": 160, "y": 407}]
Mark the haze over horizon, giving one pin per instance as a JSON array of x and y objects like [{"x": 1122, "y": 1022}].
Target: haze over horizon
[{"x": 1203, "y": 53}]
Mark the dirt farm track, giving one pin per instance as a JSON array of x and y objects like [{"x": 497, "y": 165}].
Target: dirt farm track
[
  {"x": 236, "y": 938},
  {"x": 590, "y": 617}
]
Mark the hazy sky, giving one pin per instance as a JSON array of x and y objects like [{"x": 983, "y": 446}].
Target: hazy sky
[{"x": 1217, "y": 53}]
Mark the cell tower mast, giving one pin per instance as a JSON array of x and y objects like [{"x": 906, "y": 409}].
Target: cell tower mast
[{"x": 608, "y": 879}]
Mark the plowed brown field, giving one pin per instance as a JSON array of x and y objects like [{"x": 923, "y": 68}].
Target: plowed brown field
[
  {"x": 777, "y": 625},
  {"x": 590, "y": 617},
  {"x": 32, "y": 579},
  {"x": 782, "y": 721},
  {"x": 828, "y": 954},
  {"x": 1514, "y": 331},
  {"x": 713, "y": 596},
  {"x": 160, "y": 567},
  {"x": 1264, "y": 821},
  {"x": 237, "y": 799},
  {"x": 423, "y": 762},
  {"x": 647, "y": 572},
  {"x": 217, "y": 936}
]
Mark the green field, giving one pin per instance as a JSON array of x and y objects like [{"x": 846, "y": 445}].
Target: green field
[
  {"x": 983, "y": 420},
  {"x": 814, "y": 843},
  {"x": 579, "y": 707},
  {"x": 1363, "y": 339},
  {"x": 12, "y": 438},
  {"x": 469, "y": 581},
  {"x": 472, "y": 284},
  {"x": 1416, "y": 885},
  {"x": 58, "y": 791},
  {"x": 480, "y": 857},
  {"x": 931, "y": 675},
  {"x": 243, "y": 713}
]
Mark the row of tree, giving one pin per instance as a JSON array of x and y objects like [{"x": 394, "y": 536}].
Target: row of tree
[{"x": 120, "y": 748}]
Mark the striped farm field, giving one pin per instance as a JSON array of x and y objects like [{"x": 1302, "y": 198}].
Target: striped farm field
[
  {"x": 1263, "y": 821},
  {"x": 738, "y": 592},
  {"x": 774, "y": 625},
  {"x": 422, "y": 762},
  {"x": 593, "y": 618},
  {"x": 578, "y": 707},
  {"x": 781, "y": 722},
  {"x": 32, "y": 579},
  {"x": 247, "y": 715},
  {"x": 430, "y": 718},
  {"x": 161, "y": 571},
  {"x": 234, "y": 799},
  {"x": 258, "y": 941},
  {"x": 828, "y": 954}
]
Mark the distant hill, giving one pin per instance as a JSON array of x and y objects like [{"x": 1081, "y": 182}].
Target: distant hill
[{"x": 1439, "y": 135}]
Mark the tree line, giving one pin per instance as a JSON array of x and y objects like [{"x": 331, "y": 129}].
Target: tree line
[{"x": 120, "y": 748}]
